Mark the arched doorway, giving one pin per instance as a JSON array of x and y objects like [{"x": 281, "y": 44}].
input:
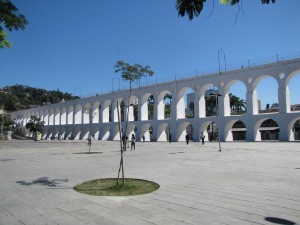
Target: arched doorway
[{"x": 269, "y": 130}]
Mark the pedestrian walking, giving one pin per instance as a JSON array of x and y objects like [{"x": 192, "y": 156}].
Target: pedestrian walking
[
  {"x": 132, "y": 142},
  {"x": 187, "y": 138},
  {"x": 143, "y": 138},
  {"x": 170, "y": 138},
  {"x": 127, "y": 142},
  {"x": 124, "y": 142},
  {"x": 202, "y": 138}
]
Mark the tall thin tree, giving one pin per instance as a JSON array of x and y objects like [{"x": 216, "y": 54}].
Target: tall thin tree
[{"x": 129, "y": 73}]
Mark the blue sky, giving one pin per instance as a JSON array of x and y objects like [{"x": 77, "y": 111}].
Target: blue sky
[{"x": 73, "y": 45}]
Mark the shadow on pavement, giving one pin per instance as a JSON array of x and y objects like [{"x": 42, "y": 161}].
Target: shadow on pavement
[
  {"x": 279, "y": 221},
  {"x": 43, "y": 181}
]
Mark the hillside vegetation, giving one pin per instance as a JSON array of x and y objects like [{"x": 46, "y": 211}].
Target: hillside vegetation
[{"x": 20, "y": 97}]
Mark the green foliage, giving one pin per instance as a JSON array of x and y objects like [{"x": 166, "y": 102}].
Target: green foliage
[
  {"x": 194, "y": 7},
  {"x": 3, "y": 41},
  {"x": 12, "y": 20},
  {"x": 20, "y": 97},
  {"x": 6, "y": 122},
  {"x": 109, "y": 187},
  {"x": 237, "y": 104},
  {"x": 35, "y": 124},
  {"x": 132, "y": 72}
]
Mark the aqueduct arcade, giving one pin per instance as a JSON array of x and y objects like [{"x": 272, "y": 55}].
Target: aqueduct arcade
[{"x": 148, "y": 117}]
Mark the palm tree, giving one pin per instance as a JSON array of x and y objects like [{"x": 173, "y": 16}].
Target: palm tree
[
  {"x": 192, "y": 110},
  {"x": 236, "y": 103},
  {"x": 210, "y": 103}
]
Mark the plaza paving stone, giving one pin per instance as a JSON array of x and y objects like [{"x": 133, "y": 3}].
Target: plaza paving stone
[{"x": 246, "y": 183}]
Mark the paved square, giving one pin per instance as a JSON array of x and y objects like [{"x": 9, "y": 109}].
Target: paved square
[{"x": 246, "y": 183}]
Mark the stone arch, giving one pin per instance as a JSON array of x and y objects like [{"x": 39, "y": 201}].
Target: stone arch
[
  {"x": 162, "y": 132},
  {"x": 106, "y": 133},
  {"x": 121, "y": 102},
  {"x": 144, "y": 107},
  {"x": 292, "y": 91},
  {"x": 235, "y": 130},
  {"x": 70, "y": 115},
  {"x": 78, "y": 115},
  {"x": 203, "y": 93},
  {"x": 63, "y": 116},
  {"x": 131, "y": 129},
  {"x": 290, "y": 76},
  {"x": 55, "y": 133},
  {"x": 57, "y": 117},
  {"x": 96, "y": 112},
  {"x": 209, "y": 127},
  {"x": 106, "y": 111},
  {"x": 69, "y": 133},
  {"x": 76, "y": 134},
  {"x": 256, "y": 84},
  {"x": 264, "y": 132},
  {"x": 147, "y": 131},
  {"x": 85, "y": 131},
  {"x": 87, "y": 113},
  {"x": 95, "y": 131},
  {"x": 41, "y": 113},
  {"x": 160, "y": 110},
  {"x": 51, "y": 117},
  {"x": 116, "y": 133},
  {"x": 62, "y": 133},
  {"x": 228, "y": 110},
  {"x": 133, "y": 108},
  {"x": 49, "y": 133},
  {"x": 46, "y": 117},
  {"x": 293, "y": 129},
  {"x": 181, "y": 104},
  {"x": 184, "y": 128}
]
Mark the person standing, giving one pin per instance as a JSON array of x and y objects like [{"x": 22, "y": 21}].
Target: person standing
[
  {"x": 132, "y": 142},
  {"x": 143, "y": 138},
  {"x": 170, "y": 138},
  {"x": 187, "y": 138}
]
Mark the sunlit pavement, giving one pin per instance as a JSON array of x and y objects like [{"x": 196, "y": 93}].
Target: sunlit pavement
[{"x": 246, "y": 183}]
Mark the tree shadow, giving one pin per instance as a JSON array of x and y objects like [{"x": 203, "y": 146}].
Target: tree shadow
[
  {"x": 45, "y": 181},
  {"x": 6, "y": 160},
  {"x": 88, "y": 153},
  {"x": 279, "y": 221}
]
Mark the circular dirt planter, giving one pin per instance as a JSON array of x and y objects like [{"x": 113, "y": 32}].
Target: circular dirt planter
[{"x": 109, "y": 187}]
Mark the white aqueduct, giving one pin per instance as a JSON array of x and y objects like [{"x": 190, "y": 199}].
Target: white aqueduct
[{"x": 98, "y": 114}]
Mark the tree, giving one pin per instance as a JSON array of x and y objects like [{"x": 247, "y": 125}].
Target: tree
[
  {"x": 168, "y": 107},
  {"x": 194, "y": 7},
  {"x": 5, "y": 122},
  {"x": 35, "y": 125},
  {"x": 192, "y": 110},
  {"x": 210, "y": 103},
  {"x": 236, "y": 103},
  {"x": 129, "y": 73},
  {"x": 151, "y": 102},
  {"x": 18, "y": 97},
  {"x": 12, "y": 19}
]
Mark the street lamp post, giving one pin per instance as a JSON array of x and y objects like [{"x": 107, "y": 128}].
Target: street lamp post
[{"x": 218, "y": 116}]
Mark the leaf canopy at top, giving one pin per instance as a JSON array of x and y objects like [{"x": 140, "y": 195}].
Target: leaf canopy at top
[{"x": 132, "y": 72}]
